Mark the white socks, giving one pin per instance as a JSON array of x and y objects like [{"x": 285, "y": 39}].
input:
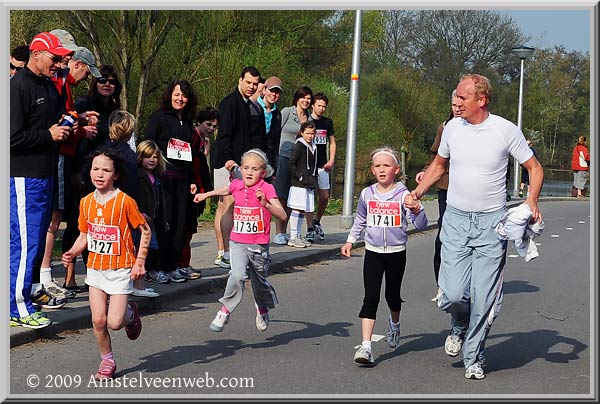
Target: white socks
[
  {"x": 45, "y": 276},
  {"x": 366, "y": 345}
]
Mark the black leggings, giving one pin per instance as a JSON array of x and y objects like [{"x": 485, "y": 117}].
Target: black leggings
[{"x": 374, "y": 267}]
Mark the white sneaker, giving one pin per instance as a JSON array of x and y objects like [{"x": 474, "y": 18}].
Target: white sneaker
[
  {"x": 296, "y": 242},
  {"x": 147, "y": 292},
  {"x": 453, "y": 345},
  {"x": 475, "y": 372},
  {"x": 310, "y": 236},
  {"x": 280, "y": 239},
  {"x": 319, "y": 230},
  {"x": 220, "y": 320},
  {"x": 262, "y": 321},
  {"x": 363, "y": 356},
  {"x": 393, "y": 335}
]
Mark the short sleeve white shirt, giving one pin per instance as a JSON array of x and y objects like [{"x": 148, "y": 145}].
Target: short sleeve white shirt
[{"x": 478, "y": 161}]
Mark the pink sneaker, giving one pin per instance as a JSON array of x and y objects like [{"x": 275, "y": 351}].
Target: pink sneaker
[
  {"x": 106, "y": 370},
  {"x": 134, "y": 328}
]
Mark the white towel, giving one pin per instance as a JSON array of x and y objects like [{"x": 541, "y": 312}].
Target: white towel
[{"x": 515, "y": 226}]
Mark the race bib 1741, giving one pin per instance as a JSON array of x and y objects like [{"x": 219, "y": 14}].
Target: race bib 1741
[
  {"x": 103, "y": 239},
  {"x": 179, "y": 150},
  {"x": 320, "y": 136},
  {"x": 247, "y": 220},
  {"x": 384, "y": 213}
]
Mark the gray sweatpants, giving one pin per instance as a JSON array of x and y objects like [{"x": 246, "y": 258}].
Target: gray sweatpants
[
  {"x": 249, "y": 260},
  {"x": 471, "y": 274}
]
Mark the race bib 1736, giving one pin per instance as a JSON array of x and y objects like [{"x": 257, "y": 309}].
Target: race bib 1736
[
  {"x": 384, "y": 213},
  {"x": 247, "y": 220},
  {"x": 103, "y": 239},
  {"x": 179, "y": 150}
]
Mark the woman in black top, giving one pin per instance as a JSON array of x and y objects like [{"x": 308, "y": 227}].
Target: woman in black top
[{"x": 171, "y": 128}]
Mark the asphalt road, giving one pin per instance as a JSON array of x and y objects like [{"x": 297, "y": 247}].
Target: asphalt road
[{"x": 539, "y": 345}]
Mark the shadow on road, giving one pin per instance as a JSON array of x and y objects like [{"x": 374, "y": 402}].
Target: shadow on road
[{"x": 213, "y": 350}]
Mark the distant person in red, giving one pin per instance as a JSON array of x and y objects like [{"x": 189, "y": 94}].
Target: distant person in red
[{"x": 580, "y": 164}]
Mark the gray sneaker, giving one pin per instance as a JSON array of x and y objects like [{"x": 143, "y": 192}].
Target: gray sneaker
[
  {"x": 453, "y": 345},
  {"x": 393, "y": 335},
  {"x": 475, "y": 372},
  {"x": 188, "y": 273},
  {"x": 157, "y": 276},
  {"x": 296, "y": 242},
  {"x": 176, "y": 276},
  {"x": 363, "y": 356},
  {"x": 57, "y": 292},
  {"x": 222, "y": 262}
]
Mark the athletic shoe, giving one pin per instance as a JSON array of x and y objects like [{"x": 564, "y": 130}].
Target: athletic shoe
[
  {"x": 306, "y": 242},
  {"x": 222, "y": 262},
  {"x": 310, "y": 236},
  {"x": 44, "y": 300},
  {"x": 219, "y": 322},
  {"x": 520, "y": 193},
  {"x": 262, "y": 321},
  {"x": 296, "y": 242},
  {"x": 393, "y": 334},
  {"x": 36, "y": 320},
  {"x": 363, "y": 356},
  {"x": 475, "y": 372},
  {"x": 157, "y": 276},
  {"x": 188, "y": 273},
  {"x": 134, "y": 329},
  {"x": 453, "y": 344},
  {"x": 77, "y": 289},
  {"x": 176, "y": 276},
  {"x": 280, "y": 239},
  {"x": 146, "y": 292},
  {"x": 106, "y": 370},
  {"x": 56, "y": 291},
  {"x": 319, "y": 230}
]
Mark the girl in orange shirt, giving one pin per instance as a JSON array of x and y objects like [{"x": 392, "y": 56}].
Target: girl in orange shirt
[{"x": 107, "y": 217}]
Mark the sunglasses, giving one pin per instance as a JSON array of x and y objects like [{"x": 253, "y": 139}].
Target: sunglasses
[
  {"x": 17, "y": 68},
  {"x": 54, "y": 58},
  {"x": 104, "y": 80}
]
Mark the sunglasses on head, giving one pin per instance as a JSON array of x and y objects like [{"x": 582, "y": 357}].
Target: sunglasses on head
[
  {"x": 104, "y": 80},
  {"x": 17, "y": 68}
]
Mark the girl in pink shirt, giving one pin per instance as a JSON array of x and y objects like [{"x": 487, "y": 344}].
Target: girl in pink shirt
[{"x": 255, "y": 202}]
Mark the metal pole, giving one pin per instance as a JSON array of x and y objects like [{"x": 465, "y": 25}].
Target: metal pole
[
  {"x": 516, "y": 167},
  {"x": 347, "y": 217}
]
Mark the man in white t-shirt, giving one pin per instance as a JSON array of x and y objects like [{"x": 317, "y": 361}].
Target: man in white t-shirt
[{"x": 477, "y": 147}]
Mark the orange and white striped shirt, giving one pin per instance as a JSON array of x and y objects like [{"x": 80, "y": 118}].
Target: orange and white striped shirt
[{"x": 108, "y": 228}]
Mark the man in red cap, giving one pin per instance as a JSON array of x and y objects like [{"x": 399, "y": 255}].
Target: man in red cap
[{"x": 34, "y": 136}]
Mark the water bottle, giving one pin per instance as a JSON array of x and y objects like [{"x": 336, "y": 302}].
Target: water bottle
[{"x": 68, "y": 119}]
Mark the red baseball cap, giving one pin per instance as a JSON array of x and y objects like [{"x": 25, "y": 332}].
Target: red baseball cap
[{"x": 45, "y": 41}]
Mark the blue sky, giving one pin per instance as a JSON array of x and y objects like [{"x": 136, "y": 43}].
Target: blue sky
[{"x": 547, "y": 28}]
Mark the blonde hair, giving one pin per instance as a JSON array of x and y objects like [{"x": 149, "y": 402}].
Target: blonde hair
[
  {"x": 387, "y": 151},
  {"x": 148, "y": 148},
  {"x": 260, "y": 154},
  {"x": 121, "y": 125},
  {"x": 483, "y": 87}
]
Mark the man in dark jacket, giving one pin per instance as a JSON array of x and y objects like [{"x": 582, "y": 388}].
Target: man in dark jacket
[
  {"x": 34, "y": 134},
  {"x": 240, "y": 130}
]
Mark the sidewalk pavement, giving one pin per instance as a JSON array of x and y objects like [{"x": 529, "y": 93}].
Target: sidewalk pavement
[{"x": 76, "y": 313}]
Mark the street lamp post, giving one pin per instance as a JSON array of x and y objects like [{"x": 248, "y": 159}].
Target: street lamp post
[{"x": 522, "y": 52}]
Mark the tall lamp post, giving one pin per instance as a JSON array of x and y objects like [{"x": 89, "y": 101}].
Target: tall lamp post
[{"x": 522, "y": 52}]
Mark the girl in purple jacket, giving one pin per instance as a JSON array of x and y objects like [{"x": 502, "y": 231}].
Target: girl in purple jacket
[{"x": 382, "y": 212}]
